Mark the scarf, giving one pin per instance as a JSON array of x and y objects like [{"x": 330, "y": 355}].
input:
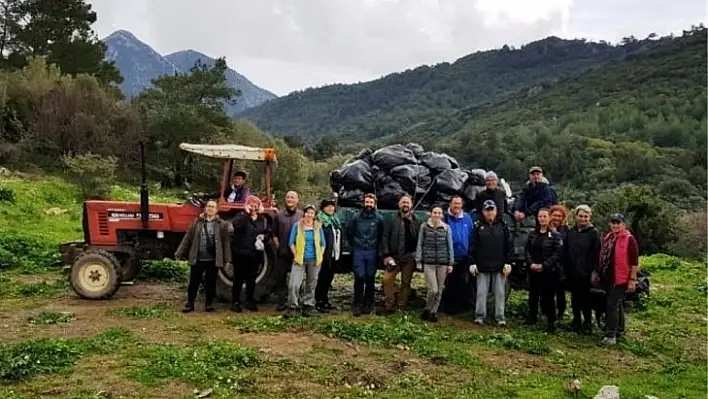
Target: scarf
[
  {"x": 330, "y": 220},
  {"x": 608, "y": 246}
]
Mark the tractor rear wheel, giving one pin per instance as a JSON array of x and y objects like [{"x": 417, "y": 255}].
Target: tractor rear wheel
[
  {"x": 265, "y": 273},
  {"x": 95, "y": 274}
]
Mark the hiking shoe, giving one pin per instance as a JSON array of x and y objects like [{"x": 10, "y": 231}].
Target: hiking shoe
[
  {"x": 188, "y": 307},
  {"x": 321, "y": 309},
  {"x": 434, "y": 317},
  {"x": 329, "y": 306},
  {"x": 251, "y": 305},
  {"x": 356, "y": 311},
  {"x": 608, "y": 341},
  {"x": 586, "y": 328},
  {"x": 367, "y": 309},
  {"x": 236, "y": 307},
  {"x": 479, "y": 321},
  {"x": 501, "y": 323},
  {"x": 289, "y": 312},
  {"x": 209, "y": 307},
  {"x": 425, "y": 315},
  {"x": 281, "y": 307},
  {"x": 306, "y": 311}
]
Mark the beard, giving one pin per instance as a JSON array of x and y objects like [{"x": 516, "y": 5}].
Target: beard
[
  {"x": 405, "y": 209},
  {"x": 368, "y": 207}
]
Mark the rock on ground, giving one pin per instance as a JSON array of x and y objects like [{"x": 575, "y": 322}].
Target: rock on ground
[{"x": 608, "y": 392}]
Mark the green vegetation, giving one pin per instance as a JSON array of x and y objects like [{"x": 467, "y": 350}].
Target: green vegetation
[
  {"x": 151, "y": 311},
  {"x": 262, "y": 356},
  {"x": 51, "y": 317}
]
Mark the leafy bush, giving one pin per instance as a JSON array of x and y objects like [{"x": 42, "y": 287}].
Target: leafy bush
[
  {"x": 164, "y": 270},
  {"x": 7, "y": 195},
  {"x": 94, "y": 173},
  {"x": 29, "y": 255}
]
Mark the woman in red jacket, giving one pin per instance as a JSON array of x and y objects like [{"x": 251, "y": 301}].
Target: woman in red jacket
[{"x": 619, "y": 262}]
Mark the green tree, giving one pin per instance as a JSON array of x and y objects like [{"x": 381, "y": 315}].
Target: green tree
[
  {"x": 326, "y": 146},
  {"x": 185, "y": 108},
  {"x": 58, "y": 31}
]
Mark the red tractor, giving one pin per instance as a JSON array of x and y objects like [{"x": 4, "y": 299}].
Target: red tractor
[{"x": 119, "y": 235}]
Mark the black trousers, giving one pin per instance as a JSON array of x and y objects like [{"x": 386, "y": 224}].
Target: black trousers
[
  {"x": 615, "y": 327},
  {"x": 245, "y": 272},
  {"x": 205, "y": 270},
  {"x": 561, "y": 302},
  {"x": 542, "y": 288},
  {"x": 455, "y": 297},
  {"x": 279, "y": 283},
  {"x": 324, "y": 281},
  {"x": 580, "y": 299}
]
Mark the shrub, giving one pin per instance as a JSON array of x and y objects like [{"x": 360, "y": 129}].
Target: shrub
[{"x": 95, "y": 174}]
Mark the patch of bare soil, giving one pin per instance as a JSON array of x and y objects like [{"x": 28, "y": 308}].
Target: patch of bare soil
[
  {"x": 288, "y": 344},
  {"x": 515, "y": 361}
]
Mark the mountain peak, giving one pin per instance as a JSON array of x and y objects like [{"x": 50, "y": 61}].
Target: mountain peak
[{"x": 122, "y": 33}]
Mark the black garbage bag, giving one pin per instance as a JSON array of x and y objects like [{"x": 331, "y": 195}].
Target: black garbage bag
[
  {"x": 391, "y": 156},
  {"x": 477, "y": 177},
  {"x": 451, "y": 181},
  {"x": 412, "y": 178},
  {"x": 416, "y": 148},
  {"x": 364, "y": 155},
  {"x": 350, "y": 198},
  {"x": 335, "y": 180},
  {"x": 388, "y": 192},
  {"x": 471, "y": 192},
  {"x": 437, "y": 163},
  {"x": 356, "y": 174}
]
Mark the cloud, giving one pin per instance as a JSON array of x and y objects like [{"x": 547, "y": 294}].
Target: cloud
[{"x": 285, "y": 45}]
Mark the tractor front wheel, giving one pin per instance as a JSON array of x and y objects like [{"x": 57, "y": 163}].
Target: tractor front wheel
[{"x": 95, "y": 274}]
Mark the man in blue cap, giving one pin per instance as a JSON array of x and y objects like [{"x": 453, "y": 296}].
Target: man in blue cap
[{"x": 491, "y": 261}]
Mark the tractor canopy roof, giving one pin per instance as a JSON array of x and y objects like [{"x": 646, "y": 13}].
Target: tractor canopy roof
[{"x": 231, "y": 151}]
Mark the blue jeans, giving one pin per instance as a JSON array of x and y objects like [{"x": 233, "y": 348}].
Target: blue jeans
[{"x": 364, "y": 265}]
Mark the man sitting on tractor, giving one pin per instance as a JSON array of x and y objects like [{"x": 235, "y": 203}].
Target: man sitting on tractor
[{"x": 237, "y": 191}]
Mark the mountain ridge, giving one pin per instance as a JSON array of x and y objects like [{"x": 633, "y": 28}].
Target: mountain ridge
[
  {"x": 139, "y": 64},
  {"x": 384, "y": 106}
]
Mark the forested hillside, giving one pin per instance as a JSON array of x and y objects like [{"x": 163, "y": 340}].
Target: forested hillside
[{"x": 369, "y": 110}]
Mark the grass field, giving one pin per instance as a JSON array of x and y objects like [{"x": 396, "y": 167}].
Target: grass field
[{"x": 138, "y": 344}]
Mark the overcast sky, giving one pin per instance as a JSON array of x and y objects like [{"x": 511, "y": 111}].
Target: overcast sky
[{"x": 287, "y": 45}]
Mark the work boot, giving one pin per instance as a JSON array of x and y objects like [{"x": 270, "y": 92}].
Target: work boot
[
  {"x": 251, "y": 305},
  {"x": 322, "y": 308},
  {"x": 281, "y": 307},
  {"x": 289, "y": 312},
  {"x": 586, "y": 328},
  {"x": 236, "y": 307},
  {"x": 209, "y": 307},
  {"x": 188, "y": 307},
  {"x": 608, "y": 341},
  {"x": 306, "y": 311},
  {"x": 434, "y": 318},
  {"x": 356, "y": 310}
]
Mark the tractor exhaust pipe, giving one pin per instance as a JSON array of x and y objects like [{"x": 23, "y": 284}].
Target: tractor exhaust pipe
[{"x": 144, "y": 195}]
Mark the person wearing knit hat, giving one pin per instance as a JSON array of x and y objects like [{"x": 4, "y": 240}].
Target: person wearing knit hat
[
  {"x": 492, "y": 193},
  {"x": 332, "y": 226}
]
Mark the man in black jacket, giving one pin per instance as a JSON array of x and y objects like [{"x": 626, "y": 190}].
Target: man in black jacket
[
  {"x": 397, "y": 248},
  {"x": 581, "y": 256},
  {"x": 491, "y": 254},
  {"x": 493, "y": 192}
]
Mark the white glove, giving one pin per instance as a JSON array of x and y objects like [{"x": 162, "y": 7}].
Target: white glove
[
  {"x": 259, "y": 244},
  {"x": 473, "y": 270},
  {"x": 506, "y": 270}
]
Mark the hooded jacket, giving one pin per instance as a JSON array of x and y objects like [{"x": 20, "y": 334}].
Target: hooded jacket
[{"x": 536, "y": 196}]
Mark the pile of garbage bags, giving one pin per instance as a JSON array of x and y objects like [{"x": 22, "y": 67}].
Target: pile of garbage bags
[{"x": 395, "y": 170}]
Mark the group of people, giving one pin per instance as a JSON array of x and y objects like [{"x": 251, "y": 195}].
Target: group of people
[{"x": 452, "y": 248}]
